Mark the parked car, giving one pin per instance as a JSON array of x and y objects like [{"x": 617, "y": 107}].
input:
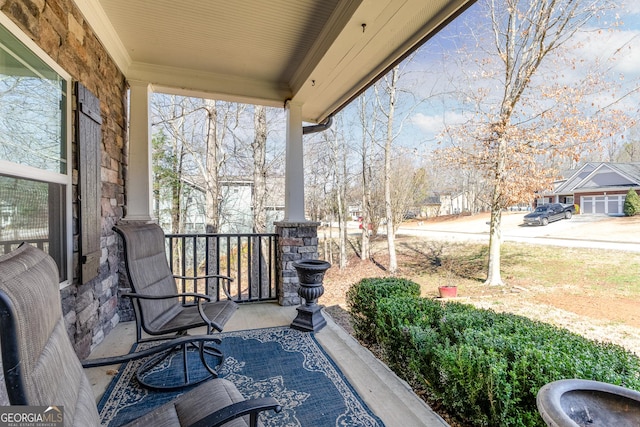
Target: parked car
[
  {"x": 550, "y": 212},
  {"x": 409, "y": 215}
]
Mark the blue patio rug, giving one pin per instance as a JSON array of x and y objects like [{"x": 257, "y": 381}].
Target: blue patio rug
[{"x": 283, "y": 363}]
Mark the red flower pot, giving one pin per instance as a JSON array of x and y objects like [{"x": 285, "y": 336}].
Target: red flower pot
[{"x": 448, "y": 291}]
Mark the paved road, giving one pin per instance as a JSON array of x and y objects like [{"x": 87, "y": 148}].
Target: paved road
[{"x": 589, "y": 231}]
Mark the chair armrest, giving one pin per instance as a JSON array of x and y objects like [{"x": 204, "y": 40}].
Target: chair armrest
[
  {"x": 184, "y": 294},
  {"x": 252, "y": 407},
  {"x": 166, "y": 345},
  {"x": 226, "y": 292},
  {"x": 209, "y": 276}
]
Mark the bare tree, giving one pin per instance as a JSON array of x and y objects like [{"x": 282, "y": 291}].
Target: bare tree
[
  {"x": 338, "y": 173},
  {"x": 392, "y": 85},
  {"x": 368, "y": 128},
  {"x": 258, "y": 200},
  {"x": 630, "y": 150},
  {"x": 214, "y": 159},
  {"x": 510, "y": 134},
  {"x": 259, "y": 149},
  {"x": 171, "y": 142}
]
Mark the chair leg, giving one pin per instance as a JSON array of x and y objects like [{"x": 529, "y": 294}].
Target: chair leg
[
  {"x": 185, "y": 364},
  {"x": 154, "y": 365},
  {"x": 211, "y": 351}
]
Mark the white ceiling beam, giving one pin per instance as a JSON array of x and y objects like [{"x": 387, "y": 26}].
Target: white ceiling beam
[{"x": 185, "y": 82}]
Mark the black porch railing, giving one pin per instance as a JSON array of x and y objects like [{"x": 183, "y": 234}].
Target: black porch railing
[{"x": 250, "y": 259}]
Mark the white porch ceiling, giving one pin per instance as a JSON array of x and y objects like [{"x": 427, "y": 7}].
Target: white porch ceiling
[{"x": 313, "y": 52}]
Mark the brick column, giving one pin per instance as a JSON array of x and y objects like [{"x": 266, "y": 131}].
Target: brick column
[{"x": 296, "y": 241}]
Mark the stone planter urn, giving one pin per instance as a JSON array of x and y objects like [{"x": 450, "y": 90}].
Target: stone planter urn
[{"x": 310, "y": 275}]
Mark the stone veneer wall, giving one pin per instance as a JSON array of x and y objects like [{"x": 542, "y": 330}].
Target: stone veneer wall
[
  {"x": 296, "y": 241},
  {"x": 59, "y": 28}
]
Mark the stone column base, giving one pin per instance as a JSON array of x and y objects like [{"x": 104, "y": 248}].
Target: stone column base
[{"x": 296, "y": 241}]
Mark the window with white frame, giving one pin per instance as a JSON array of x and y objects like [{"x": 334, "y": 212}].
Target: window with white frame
[{"x": 34, "y": 168}]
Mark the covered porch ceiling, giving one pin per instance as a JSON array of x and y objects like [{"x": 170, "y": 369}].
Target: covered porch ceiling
[{"x": 319, "y": 54}]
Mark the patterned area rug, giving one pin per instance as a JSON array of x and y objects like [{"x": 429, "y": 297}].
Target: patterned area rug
[{"x": 284, "y": 363}]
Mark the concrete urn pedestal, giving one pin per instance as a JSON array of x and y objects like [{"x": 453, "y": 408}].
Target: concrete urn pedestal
[{"x": 310, "y": 275}]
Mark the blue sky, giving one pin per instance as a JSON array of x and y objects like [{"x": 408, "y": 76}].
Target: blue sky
[{"x": 426, "y": 74}]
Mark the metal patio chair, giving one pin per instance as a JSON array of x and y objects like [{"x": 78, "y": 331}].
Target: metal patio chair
[
  {"x": 159, "y": 308},
  {"x": 41, "y": 368}
]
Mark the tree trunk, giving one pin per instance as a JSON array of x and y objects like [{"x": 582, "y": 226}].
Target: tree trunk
[
  {"x": 495, "y": 236},
  {"x": 342, "y": 230},
  {"x": 495, "y": 239},
  {"x": 212, "y": 193},
  {"x": 339, "y": 191},
  {"x": 176, "y": 184},
  {"x": 259, "y": 282},
  {"x": 393, "y": 262},
  {"x": 259, "y": 148},
  {"x": 365, "y": 252},
  {"x": 345, "y": 209}
]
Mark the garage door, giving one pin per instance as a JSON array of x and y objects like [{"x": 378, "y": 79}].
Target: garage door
[{"x": 611, "y": 205}]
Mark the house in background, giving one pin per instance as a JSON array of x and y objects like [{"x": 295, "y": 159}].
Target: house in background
[
  {"x": 438, "y": 204},
  {"x": 597, "y": 188},
  {"x": 235, "y": 205},
  {"x": 431, "y": 206},
  {"x": 454, "y": 204}
]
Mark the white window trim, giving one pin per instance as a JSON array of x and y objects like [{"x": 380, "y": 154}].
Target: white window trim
[{"x": 34, "y": 173}]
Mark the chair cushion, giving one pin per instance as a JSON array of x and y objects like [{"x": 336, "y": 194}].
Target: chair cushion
[
  {"x": 148, "y": 269},
  {"x": 218, "y": 312},
  {"x": 194, "y": 405},
  {"x": 51, "y": 371}
]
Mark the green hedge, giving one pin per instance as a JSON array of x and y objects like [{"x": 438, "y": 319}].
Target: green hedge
[
  {"x": 363, "y": 298},
  {"x": 483, "y": 367}
]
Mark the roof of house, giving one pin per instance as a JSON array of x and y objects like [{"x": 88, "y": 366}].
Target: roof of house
[{"x": 601, "y": 175}]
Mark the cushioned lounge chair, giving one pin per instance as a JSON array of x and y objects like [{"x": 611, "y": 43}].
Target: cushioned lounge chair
[
  {"x": 159, "y": 308},
  {"x": 41, "y": 368}
]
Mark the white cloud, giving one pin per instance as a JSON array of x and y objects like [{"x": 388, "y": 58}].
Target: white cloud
[
  {"x": 619, "y": 49},
  {"x": 434, "y": 124},
  {"x": 632, "y": 7}
]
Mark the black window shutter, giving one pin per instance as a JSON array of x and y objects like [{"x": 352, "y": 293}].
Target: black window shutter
[{"x": 89, "y": 140}]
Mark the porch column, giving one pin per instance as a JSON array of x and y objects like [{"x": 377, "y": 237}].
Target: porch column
[
  {"x": 297, "y": 237},
  {"x": 294, "y": 166},
  {"x": 139, "y": 205}
]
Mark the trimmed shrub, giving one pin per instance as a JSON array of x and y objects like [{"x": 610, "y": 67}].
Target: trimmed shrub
[
  {"x": 363, "y": 297},
  {"x": 631, "y": 203},
  {"x": 395, "y": 321},
  {"x": 486, "y": 367}
]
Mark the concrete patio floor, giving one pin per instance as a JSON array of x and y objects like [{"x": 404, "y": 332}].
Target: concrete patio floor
[{"x": 389, "y": 397}]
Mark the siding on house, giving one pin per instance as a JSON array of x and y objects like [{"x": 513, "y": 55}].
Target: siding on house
[{"x": 236, "y": 205}]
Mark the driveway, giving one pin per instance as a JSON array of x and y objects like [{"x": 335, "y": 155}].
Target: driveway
[{"x": 591, "y": 231}]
